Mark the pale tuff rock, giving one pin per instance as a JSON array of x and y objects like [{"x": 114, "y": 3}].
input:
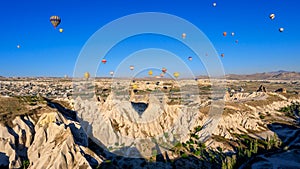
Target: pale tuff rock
[
  {"x": 246, "y": 96},
  {"x": 9, "y": 155},
  {"x": 55, "y": 146},
  {"x": 115, "y": 122},
  {"x": 14, "y": 140}
]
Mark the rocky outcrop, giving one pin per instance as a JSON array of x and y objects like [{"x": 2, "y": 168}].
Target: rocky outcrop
[
  {"x": 281, "y": 90},
  {"x": 262, "y": 88},
  {"x": 59, "y": 143},
  {"x": 53, "y": 142}
]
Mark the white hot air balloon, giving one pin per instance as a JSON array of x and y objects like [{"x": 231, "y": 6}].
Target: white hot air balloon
[
  {"x": 281, "y": 29},
  {"x": 272, "y": 16}
]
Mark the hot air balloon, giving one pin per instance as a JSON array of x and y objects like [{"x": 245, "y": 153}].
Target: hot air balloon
[
  {"x": 272, "y": 16},
  {"x": 111, "y": 73},
  {"x": 222, "y": 55},
  {"x": 134, "y": 86},
  {"x": 190, "y": 58},
  {"x": 164, "y": 70},
  {"x": 150, "y": 72},
  {"x": 214, "y": 4},
  {"x": 87, "y": 75},
  {"x": 162, "y": 75},
  {"x": 18, "y": 46},
  {"x": 232, "y": 33},
  {"x": 103, "y": 61},
  {"x": 131, "y": 67},
  {"x": 183, "y": 36},
  {"x": 281, "y": 29},
  {"x": 224, "y": 33},
  {"x": 55, "y": 21},
  {"x": 236, "y": 41},
  {"x": 61, "y": 30},
  {"x": 176, "y": 74}
]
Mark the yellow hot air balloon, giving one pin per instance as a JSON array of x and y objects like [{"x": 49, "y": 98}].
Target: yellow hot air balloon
[
  {"x": 87, "y": 75},
  {"x": 150, "y": 73},
  {"x": 55, "y": 21},
  {"x": 176, "y": 74},
  {"x": 61, "y": 30},
  {"x": 134, "y": 86}
]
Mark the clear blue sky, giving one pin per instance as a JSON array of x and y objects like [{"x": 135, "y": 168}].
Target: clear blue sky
[{"x": 46, "y": 52}]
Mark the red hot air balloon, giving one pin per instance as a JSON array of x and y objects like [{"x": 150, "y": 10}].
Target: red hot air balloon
[{"x": 103, "y": 61}]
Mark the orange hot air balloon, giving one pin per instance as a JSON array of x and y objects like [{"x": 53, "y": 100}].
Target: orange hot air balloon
[
  {"x": 55, "y": 21},
  {"x": 164, "y": 70},
  {"x": 103, "y": 61},
  {"x": 183, "y": 35},
  {"x": 224, "y": 33},
  {"x": 150, "y": 73}
]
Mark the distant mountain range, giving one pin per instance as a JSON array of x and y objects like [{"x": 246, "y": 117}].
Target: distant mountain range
[{"x": 277, "y": 75}]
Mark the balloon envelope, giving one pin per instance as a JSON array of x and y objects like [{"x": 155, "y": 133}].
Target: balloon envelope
[
  {"x": 86, "y": 75},
  {"x": 61, "y": 30},
  {"x": 183, "y": 35},
  {"x": 131, "y": 67},
  {"x": 150, "y": 73},
  {"x": 55, "y": 21},
  {"x": 104, "y": 61},
  {"x": 176, "y": 74},
  {"x": 272, "y": 16},
  {"x": 281, "y": 29}
]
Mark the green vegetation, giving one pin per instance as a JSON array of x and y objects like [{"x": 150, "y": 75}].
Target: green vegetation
[
  {"x": 25, "y": 164},
  {"x": 291, "y": 110}
]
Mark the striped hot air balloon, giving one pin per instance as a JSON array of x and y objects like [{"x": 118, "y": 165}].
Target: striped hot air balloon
[{"x": 55, "y": 21}]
